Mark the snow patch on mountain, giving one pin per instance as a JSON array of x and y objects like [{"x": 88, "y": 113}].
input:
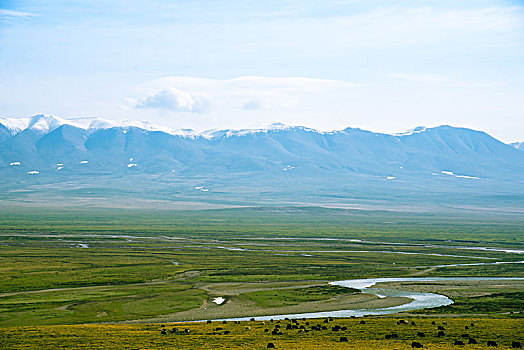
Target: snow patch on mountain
[
  {"x": 447, "y": 172},
  {"x": 417, "y": 130}
]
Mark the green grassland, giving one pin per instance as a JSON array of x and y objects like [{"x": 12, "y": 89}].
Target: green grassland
[
  {"x": 285, "y": 297},
  {"x": 252, "y": 335},
  {"x": 85, "y": 266}
]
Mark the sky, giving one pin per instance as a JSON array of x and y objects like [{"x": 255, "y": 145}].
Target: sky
[{"x": 385, "y": 66}]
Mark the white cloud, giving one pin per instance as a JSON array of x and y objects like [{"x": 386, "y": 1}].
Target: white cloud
[
  {"x": 252, "y": 105},
  {"x": 175, "y": 100},
  {"x": 15, "y": 14},
  {"x": 194, "y": 94}
]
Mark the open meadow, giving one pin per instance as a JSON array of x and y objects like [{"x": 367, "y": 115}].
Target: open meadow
[{"x": 93, "y": 269}]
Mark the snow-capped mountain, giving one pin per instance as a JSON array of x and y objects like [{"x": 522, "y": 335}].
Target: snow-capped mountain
[
  {"x": 47, "y": 149},
  {"x": 518, "y": 145},
  {"x": 44, "y": 123}
]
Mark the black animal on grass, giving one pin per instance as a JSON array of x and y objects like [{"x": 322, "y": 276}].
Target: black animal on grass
[
  {"x": 343, "y": 339},
  {"x": 416, "y": 344},
  {"x": 433, "y": 322},
  {"x": 163, "y": 331},
  {"x": 421, "y": 334},
  {"x": 516, "y": 345},
  {"x": 466, "y": 327},
  {"x": 472, "y": 341},
  {"x": 440, "y": 334},
  {"x": 458, "y": 342},
  {"x": 492, "y": 343},
  {"x": 362, "y": 322},
  {"x": 174, "y": 330},
  {"x": 391, "y": 336},
  {"x": 413, "y": 323},
  {"x": 401, "y": 322},
  {"x": 270, "y": 346},
  {"x": 209, "y": 321}
]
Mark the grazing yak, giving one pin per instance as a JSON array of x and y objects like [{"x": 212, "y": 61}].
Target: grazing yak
[
  {"x": 440, "y": 334},
  {"x": 416, "y": 344},
  {"x": 516, "y": 345},
  {"x": 343, "y": 339},
  {"x": 458, "y": 342},
  {"x": 492, "y": 343},
  {"x": 270, "y": 346},
  {"x": 472, "y": 341}
]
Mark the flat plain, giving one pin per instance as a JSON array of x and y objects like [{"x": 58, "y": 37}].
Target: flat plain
[{"x": 68, "y": 277}]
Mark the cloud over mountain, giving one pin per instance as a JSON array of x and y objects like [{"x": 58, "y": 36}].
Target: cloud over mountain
[{"x": 175, "y": 100}]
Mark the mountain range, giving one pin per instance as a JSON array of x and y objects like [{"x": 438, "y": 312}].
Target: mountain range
[{"x": 282, "y": 163}]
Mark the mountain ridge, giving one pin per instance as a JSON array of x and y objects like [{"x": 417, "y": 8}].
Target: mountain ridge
[{"x": 277, "y": 163}]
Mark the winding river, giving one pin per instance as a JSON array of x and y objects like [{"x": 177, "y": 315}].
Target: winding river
[{"x": 418, "y": 300}]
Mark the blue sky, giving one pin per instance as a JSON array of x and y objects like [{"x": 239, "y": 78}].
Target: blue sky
[{"x": 379, "y": 65}]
